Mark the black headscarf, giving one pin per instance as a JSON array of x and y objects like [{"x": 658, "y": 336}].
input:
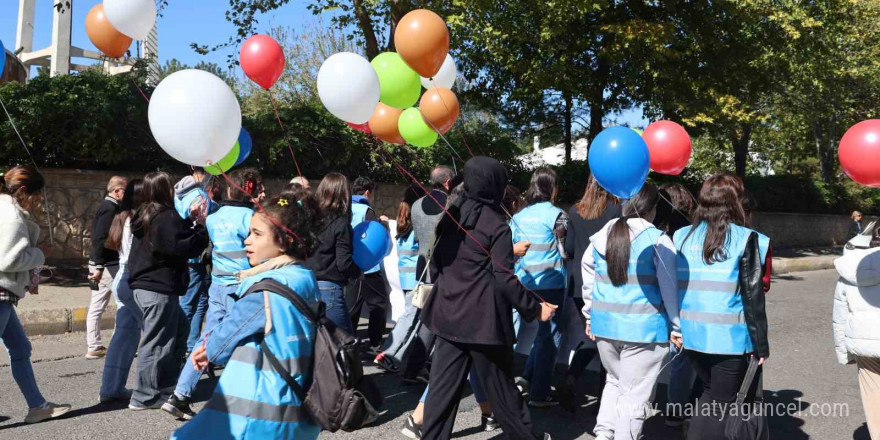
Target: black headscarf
[{"x": 484, "y": 182}]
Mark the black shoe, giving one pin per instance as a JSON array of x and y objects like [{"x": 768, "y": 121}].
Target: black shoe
[
  {"x": 410, "y": 429},
  {"x": 566, "y": 394},
  {"x": 488, "y": 423},
  {"x": 179, "y": 408}
]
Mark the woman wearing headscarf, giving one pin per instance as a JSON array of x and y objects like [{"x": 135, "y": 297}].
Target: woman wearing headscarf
[{"x": 469, "y": 309}]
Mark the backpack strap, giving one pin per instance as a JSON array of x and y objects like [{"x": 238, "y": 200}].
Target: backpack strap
[{"x": 286, "y": 292}]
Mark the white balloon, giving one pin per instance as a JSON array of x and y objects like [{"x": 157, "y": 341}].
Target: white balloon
[
  {"x": 134, "y": 18},
  {"x": 445, "y": 77},
  {"x": 349, "y": 87},
  {"x": 195, "y": 117}
]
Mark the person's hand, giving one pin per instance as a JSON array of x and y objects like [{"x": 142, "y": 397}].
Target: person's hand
[
  {"x": 198, "y": 211},
  {"x": 761, "y": 360},
  {"x": 95, "y": 276},
  {"x": 677, "y": 341},
  {"x": 199, "y": 358},
  {"x": 520, "y": 248},
  {"x": 547, "y": 311},
  {"x": 590, "y": 333}
]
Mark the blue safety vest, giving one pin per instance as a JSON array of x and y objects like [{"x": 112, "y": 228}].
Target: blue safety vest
[
  {"x": 228, "y": 228},
  {"x": 711, "y": 312},
  {"x": 407, "y": 259},
  {"x": 183, "y": 202},
  {"x": 633, "y": 312},
  {"x": 542, "y": 267},
  {"x": 359, "y": 209},
  {"x": 252, "y": 401}
]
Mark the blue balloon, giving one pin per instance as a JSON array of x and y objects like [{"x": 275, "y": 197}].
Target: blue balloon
[
  {"x": 371, "y": 243},
  {"x": 2, "y": 57},
  {"x": 619, "y": 160},
  {"x": 245, "y": 144}
]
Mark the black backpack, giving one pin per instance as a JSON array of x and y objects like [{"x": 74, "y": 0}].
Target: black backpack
[{"x": 339, "y": 397}]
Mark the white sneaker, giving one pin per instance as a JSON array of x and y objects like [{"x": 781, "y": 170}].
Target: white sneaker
[
  {"x": 141, "y": 407},
  {"x": 46, "y": 411}
]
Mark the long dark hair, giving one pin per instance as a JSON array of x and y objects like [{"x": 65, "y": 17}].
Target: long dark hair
[
  {"x": 719, "y": 205},
  {"x": 158, "y": 194},
  {"x": 619, "y": 244},
  {"x": 542, "y": 187},
  {"x": 404, "y": 219},
  {"x": 131, "y": 200},
  {"x": 334, "y": 195},
  {"x": 594, "y": 201}
]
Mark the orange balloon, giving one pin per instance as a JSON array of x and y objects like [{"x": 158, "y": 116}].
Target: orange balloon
[
  {"x": 383, "y": 124},
  {"x": 103, "y": 35},
  {"x": 440, "y": 108},
  {"x": 422, "y": 40}
]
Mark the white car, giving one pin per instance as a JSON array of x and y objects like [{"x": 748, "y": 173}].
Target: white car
[{"x": 863, "y": 240}]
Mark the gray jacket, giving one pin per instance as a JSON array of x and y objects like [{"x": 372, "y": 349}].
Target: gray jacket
[{"x": 425, "y": 216}]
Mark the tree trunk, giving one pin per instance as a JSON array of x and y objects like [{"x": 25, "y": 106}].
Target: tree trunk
[
  {"x": 398, "y": 10},
  {"x": 597, "y": 99},
  {"x": 741, "y": 150},
  {"x": 567, "y": 127},
  {"x": 825, "y": 150},
  {"x": 366, "y": 25}
]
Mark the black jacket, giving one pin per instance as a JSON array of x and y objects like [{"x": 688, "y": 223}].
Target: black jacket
[
  {"x": 332, "y": 258},
  {"x": 102, "y": 256},
  {"x": 752, "y": 290},
  {"x": 577, "y": 240},
  {"x": 158, "y": 260},
  {"x": 474, "y": 295}
]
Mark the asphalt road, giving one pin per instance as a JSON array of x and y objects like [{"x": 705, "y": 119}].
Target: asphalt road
[{"x": 802, "y": 374}]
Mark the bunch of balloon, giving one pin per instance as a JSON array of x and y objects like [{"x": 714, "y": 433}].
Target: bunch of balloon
[
  {"x": 669, "y": 147},
  {"x": 112, "y": 25},
  {"x": 859, "y": 153}
]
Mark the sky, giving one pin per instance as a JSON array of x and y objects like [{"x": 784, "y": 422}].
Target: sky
[{"x": 182, "y": 22}]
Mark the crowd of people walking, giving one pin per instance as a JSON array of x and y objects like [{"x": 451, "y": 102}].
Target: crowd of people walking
[{"x": 664, "y": 280}]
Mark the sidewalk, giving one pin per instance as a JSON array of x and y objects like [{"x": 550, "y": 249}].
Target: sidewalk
[{"x": 62, "y": 305}]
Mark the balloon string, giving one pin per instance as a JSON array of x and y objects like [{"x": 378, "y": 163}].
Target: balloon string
[
  {"x": 139, "y": 89},
  {"x": 460, "y": 226},
  {"x": 284, "y": 132},
  {"x": 262, "y": 209},
  {"x": 46, "y": 205},
  {"x": 441, "y": 135}
]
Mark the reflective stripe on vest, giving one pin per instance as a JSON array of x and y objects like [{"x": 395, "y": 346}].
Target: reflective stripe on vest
[
  {"x": 407, "y": 259},
  {"x": 252, "y": 398},
  {"x": 712, "y": 315},
  {"x": 228, "y": 228},
  {"x": 542, "y": 267},
  {"x": 634, "y": 311},
  {"x": 358, "y": 214}
]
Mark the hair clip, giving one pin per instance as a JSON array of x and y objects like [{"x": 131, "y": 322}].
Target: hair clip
[
  {"x": 282, "y": 202},
  {"x": 300, "y": 203}
]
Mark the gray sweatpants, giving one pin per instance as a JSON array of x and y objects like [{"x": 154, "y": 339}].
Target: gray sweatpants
[
  {"x": 163, "y": 346},
  {"x": 632, "y": 373}
]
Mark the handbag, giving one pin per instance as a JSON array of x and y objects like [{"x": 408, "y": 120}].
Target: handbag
[
  {"x": 748, "y": 421},
  {"x": 423, "y": 290}
]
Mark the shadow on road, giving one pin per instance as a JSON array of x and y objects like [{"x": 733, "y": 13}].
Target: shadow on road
[
  {"x": 784, "y": 421},
  {"x": 78, "y": 412}
]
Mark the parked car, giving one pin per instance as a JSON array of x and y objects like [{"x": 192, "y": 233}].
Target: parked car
[{"x": 863, "y": 240}]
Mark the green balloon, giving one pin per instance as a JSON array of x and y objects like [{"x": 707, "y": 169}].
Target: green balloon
[
  {"x": 639, "y": 131},
  {"x": 399, "y": 85},
  {"x": 226, "y": 163},
  {"x": 414, "y": 130}
]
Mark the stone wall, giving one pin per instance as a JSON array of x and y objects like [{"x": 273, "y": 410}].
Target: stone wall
[{"x": 73, "y": 197}]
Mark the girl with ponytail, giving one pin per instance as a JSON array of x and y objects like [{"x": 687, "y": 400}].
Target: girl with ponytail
[{"x": 630, "y": 296}]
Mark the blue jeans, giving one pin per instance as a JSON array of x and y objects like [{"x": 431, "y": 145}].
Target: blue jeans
[
  {"x": 476, "y": 387},
  {"x": 126, "y": 336},
  {"x": 219, "y": 304},
  {"x": 681, "y": 381},
  {"x": 542, "y": 357},
  {"x": 333, "y": 296},
  {"x": 195, "y": 302},
  {"x": 19, "y": 349}
]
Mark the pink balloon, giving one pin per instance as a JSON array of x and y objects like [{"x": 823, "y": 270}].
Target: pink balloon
[
  {"x": 363, "y": 128},
  {"x": 262, "y": 60},
  {"x": 859, "y": 153},
  {"x": 669, "y": 146}
]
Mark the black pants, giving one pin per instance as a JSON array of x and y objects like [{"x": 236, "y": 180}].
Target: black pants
[
  {"x": 369, "y": 290},
  {"x": 449, "y": 369},
  {"x": 722, "y": 376}
]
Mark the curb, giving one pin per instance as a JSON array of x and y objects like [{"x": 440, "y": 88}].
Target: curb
[
  {"x": 60, "y": 321},
  {"x": 782, "y": 266}
]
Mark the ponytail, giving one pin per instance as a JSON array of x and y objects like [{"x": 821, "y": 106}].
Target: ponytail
[{"x": 617, "y": 251}]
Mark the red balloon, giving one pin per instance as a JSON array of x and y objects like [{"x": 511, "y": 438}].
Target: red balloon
[
  {"x": 363, "y": 128},
  {"x": 669, "y": 146},
  {"x": 262, "y": 60},
  {"x": 859, "y": 153}
]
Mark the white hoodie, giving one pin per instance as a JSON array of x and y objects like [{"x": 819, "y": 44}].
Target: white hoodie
[
  {"x": 18, "y": 246},
  {"x": 664, "y": 261},
  {"x": 856, "y": 309}
]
